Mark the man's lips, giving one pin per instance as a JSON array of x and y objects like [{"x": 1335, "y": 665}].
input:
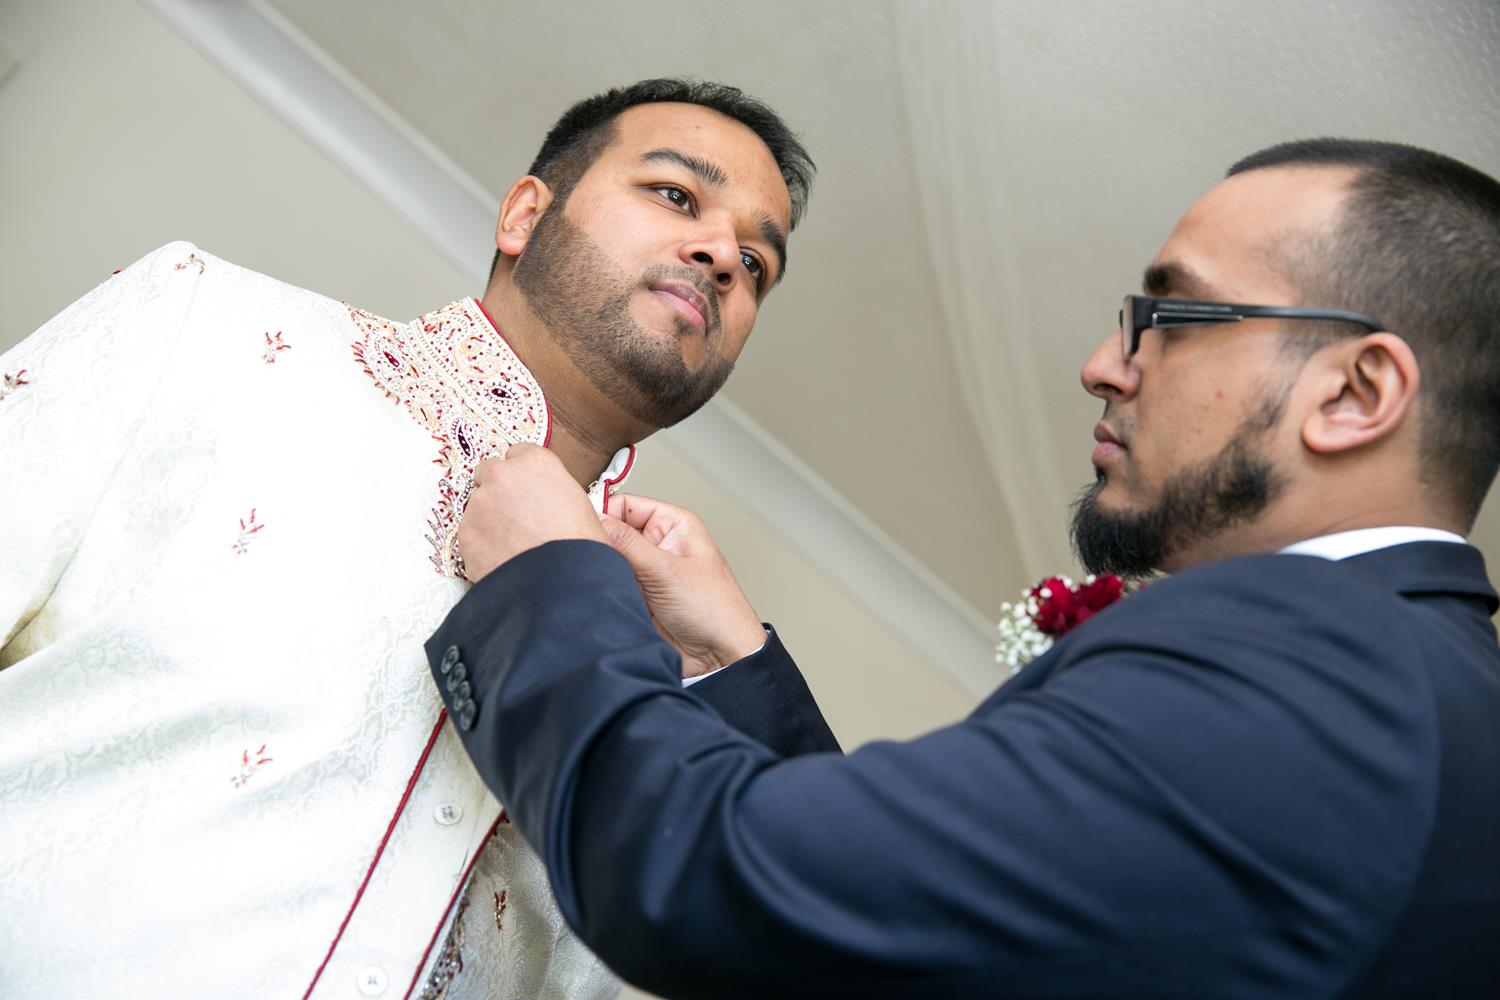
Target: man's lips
[
  {"x": 686, "y": 300},
  {"x": 1108, "y": 445}
]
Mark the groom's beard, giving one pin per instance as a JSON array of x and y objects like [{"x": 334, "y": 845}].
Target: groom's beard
[
  {"x": 584, "y": 300},
  {"x": 1196, "y": 504}
]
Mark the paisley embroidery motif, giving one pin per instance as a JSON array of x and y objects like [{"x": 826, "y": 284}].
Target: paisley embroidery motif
[{"x": 458, "y": 378}]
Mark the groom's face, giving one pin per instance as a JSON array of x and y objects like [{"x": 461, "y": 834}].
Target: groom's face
[
  {"x": 652, "y": 273},
  {"x": 1193, "y": 447}
]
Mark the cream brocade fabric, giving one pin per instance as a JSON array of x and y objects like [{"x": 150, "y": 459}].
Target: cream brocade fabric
[{"x": 217, "y": 552}]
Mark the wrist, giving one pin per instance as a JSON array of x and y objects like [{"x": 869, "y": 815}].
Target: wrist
[{"x": 750, "y": 637}]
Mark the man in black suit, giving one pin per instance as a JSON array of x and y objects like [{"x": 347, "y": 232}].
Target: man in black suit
[{"x": 1275, "y": 772}]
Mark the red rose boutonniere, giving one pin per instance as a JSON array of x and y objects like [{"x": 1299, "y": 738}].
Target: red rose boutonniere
[{"x": 1049, "y": 610}]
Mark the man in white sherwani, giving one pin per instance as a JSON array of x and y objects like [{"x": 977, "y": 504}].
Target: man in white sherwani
[{"x": 227, "y": 519}]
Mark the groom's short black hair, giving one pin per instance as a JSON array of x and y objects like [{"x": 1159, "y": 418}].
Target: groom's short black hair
[{"x": 587, "y": 128}]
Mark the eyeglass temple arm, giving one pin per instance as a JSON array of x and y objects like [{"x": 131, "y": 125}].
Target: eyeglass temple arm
[{"x": 1170, "y": 316}]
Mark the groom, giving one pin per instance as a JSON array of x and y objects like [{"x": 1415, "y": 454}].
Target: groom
[
  {"x": 224, "y": 770},
  {"x": 1274, "y": 773}
]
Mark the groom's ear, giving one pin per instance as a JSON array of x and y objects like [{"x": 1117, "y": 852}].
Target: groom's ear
[{"x": 524, "y": 204}]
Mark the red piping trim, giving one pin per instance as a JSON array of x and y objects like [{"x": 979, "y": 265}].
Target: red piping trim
[
  {"x": 610, "y": 484},
  {"x": 405, "y": 797},
  {"x": 545, "y": 405},
  {"x": 463, "y": 883}
]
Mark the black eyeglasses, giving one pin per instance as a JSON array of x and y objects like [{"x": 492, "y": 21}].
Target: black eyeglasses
[{"x": 1142, "y": 313}]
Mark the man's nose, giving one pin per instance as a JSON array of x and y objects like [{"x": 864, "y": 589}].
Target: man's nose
[
  {"x": 717, "y": 255},
  {"x": 1107, "y": 375}
]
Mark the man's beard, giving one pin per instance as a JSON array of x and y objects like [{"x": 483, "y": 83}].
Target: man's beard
[
  {"x": 1196, "y": 504},
  {"x": 584, "y": 300}
]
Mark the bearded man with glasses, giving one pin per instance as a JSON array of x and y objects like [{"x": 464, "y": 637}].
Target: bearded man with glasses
[{"x": 1275, "y": 772}]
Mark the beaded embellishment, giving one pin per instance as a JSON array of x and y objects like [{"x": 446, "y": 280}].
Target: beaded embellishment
[
  {"x": 450, "y": 961},
  {"x": 458, "y": 378}
]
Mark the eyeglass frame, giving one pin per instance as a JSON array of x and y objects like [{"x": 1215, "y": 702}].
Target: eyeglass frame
[{"x": 1147, "y": 313}]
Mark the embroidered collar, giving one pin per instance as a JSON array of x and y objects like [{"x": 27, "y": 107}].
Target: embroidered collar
[{"x": 455, "y": 374}]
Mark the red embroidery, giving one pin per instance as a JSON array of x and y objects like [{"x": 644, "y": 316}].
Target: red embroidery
[
  {"x": 10, "y": 383},
  {"x": 248, "y": 767},
  {"x": 274, "y": 345},
  {"x": 500, "y": 905},
  {"x": 192, "y": 259},
  {"x": 457, "y": 377},
  {"x": 248, "y": 531}
]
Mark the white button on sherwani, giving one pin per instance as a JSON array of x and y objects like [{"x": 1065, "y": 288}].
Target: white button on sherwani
[{"x": 227, "y": 509}]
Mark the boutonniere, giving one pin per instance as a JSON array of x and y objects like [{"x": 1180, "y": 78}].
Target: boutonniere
[{"x": 1048, "y": 611}]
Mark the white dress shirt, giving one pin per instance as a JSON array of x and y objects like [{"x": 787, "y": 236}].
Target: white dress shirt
[{"x": 1345, "y": 544}]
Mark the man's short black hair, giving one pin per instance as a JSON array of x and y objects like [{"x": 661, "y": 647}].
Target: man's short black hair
[
  {"x": 1417, "y": 247},
  {"x": 587, "y": 128}
]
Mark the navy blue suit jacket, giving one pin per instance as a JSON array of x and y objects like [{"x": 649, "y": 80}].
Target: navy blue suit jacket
[{"x": 1267, "y": 776}]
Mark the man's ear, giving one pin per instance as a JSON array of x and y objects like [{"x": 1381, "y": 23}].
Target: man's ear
[
  {"x": 1366, "y": 389},
  {"x": 524, "y": 204}
]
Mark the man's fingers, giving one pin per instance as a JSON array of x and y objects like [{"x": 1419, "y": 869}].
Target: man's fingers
[
  {"x": 637, "y": 511},
  {"x": 671, "y": 528},
  {"x": 484, "y": 469},
  {"x": 627, "y": 541}
]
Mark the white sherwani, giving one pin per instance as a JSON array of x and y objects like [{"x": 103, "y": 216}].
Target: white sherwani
[{"x": 224, "y": 768}]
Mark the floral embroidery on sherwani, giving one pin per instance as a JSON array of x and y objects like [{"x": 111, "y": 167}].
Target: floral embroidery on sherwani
[
  {"x": 457, "y": 377},
  {"x": 10, "y": 383}
]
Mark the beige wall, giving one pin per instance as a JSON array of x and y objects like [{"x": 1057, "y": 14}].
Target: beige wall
[
  {"x": 118, "y": 138},
  {"x": 131, "y": 139}
]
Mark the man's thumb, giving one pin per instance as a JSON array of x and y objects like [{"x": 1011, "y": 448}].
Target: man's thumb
[{"x": 630, "y": 543}]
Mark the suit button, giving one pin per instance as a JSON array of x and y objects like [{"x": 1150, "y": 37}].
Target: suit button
[
  {"x": 457, "y": 675},
  {"x": 462, "y": 692},
  {"x": 450, "y": 658},
  {"x": 466, "y": 713}
]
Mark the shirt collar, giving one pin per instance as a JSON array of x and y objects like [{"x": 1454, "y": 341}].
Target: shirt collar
[{"x": 1345, "y": 544}]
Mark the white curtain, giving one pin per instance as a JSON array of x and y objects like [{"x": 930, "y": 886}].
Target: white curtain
[{"x": 950, "y": 74}]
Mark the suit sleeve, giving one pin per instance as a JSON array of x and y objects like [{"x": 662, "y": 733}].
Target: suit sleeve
[
  {"x": 765, "y": 697},
  {"x": 74, "y": 393},
  {"x": 1158, "y": 810}
]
